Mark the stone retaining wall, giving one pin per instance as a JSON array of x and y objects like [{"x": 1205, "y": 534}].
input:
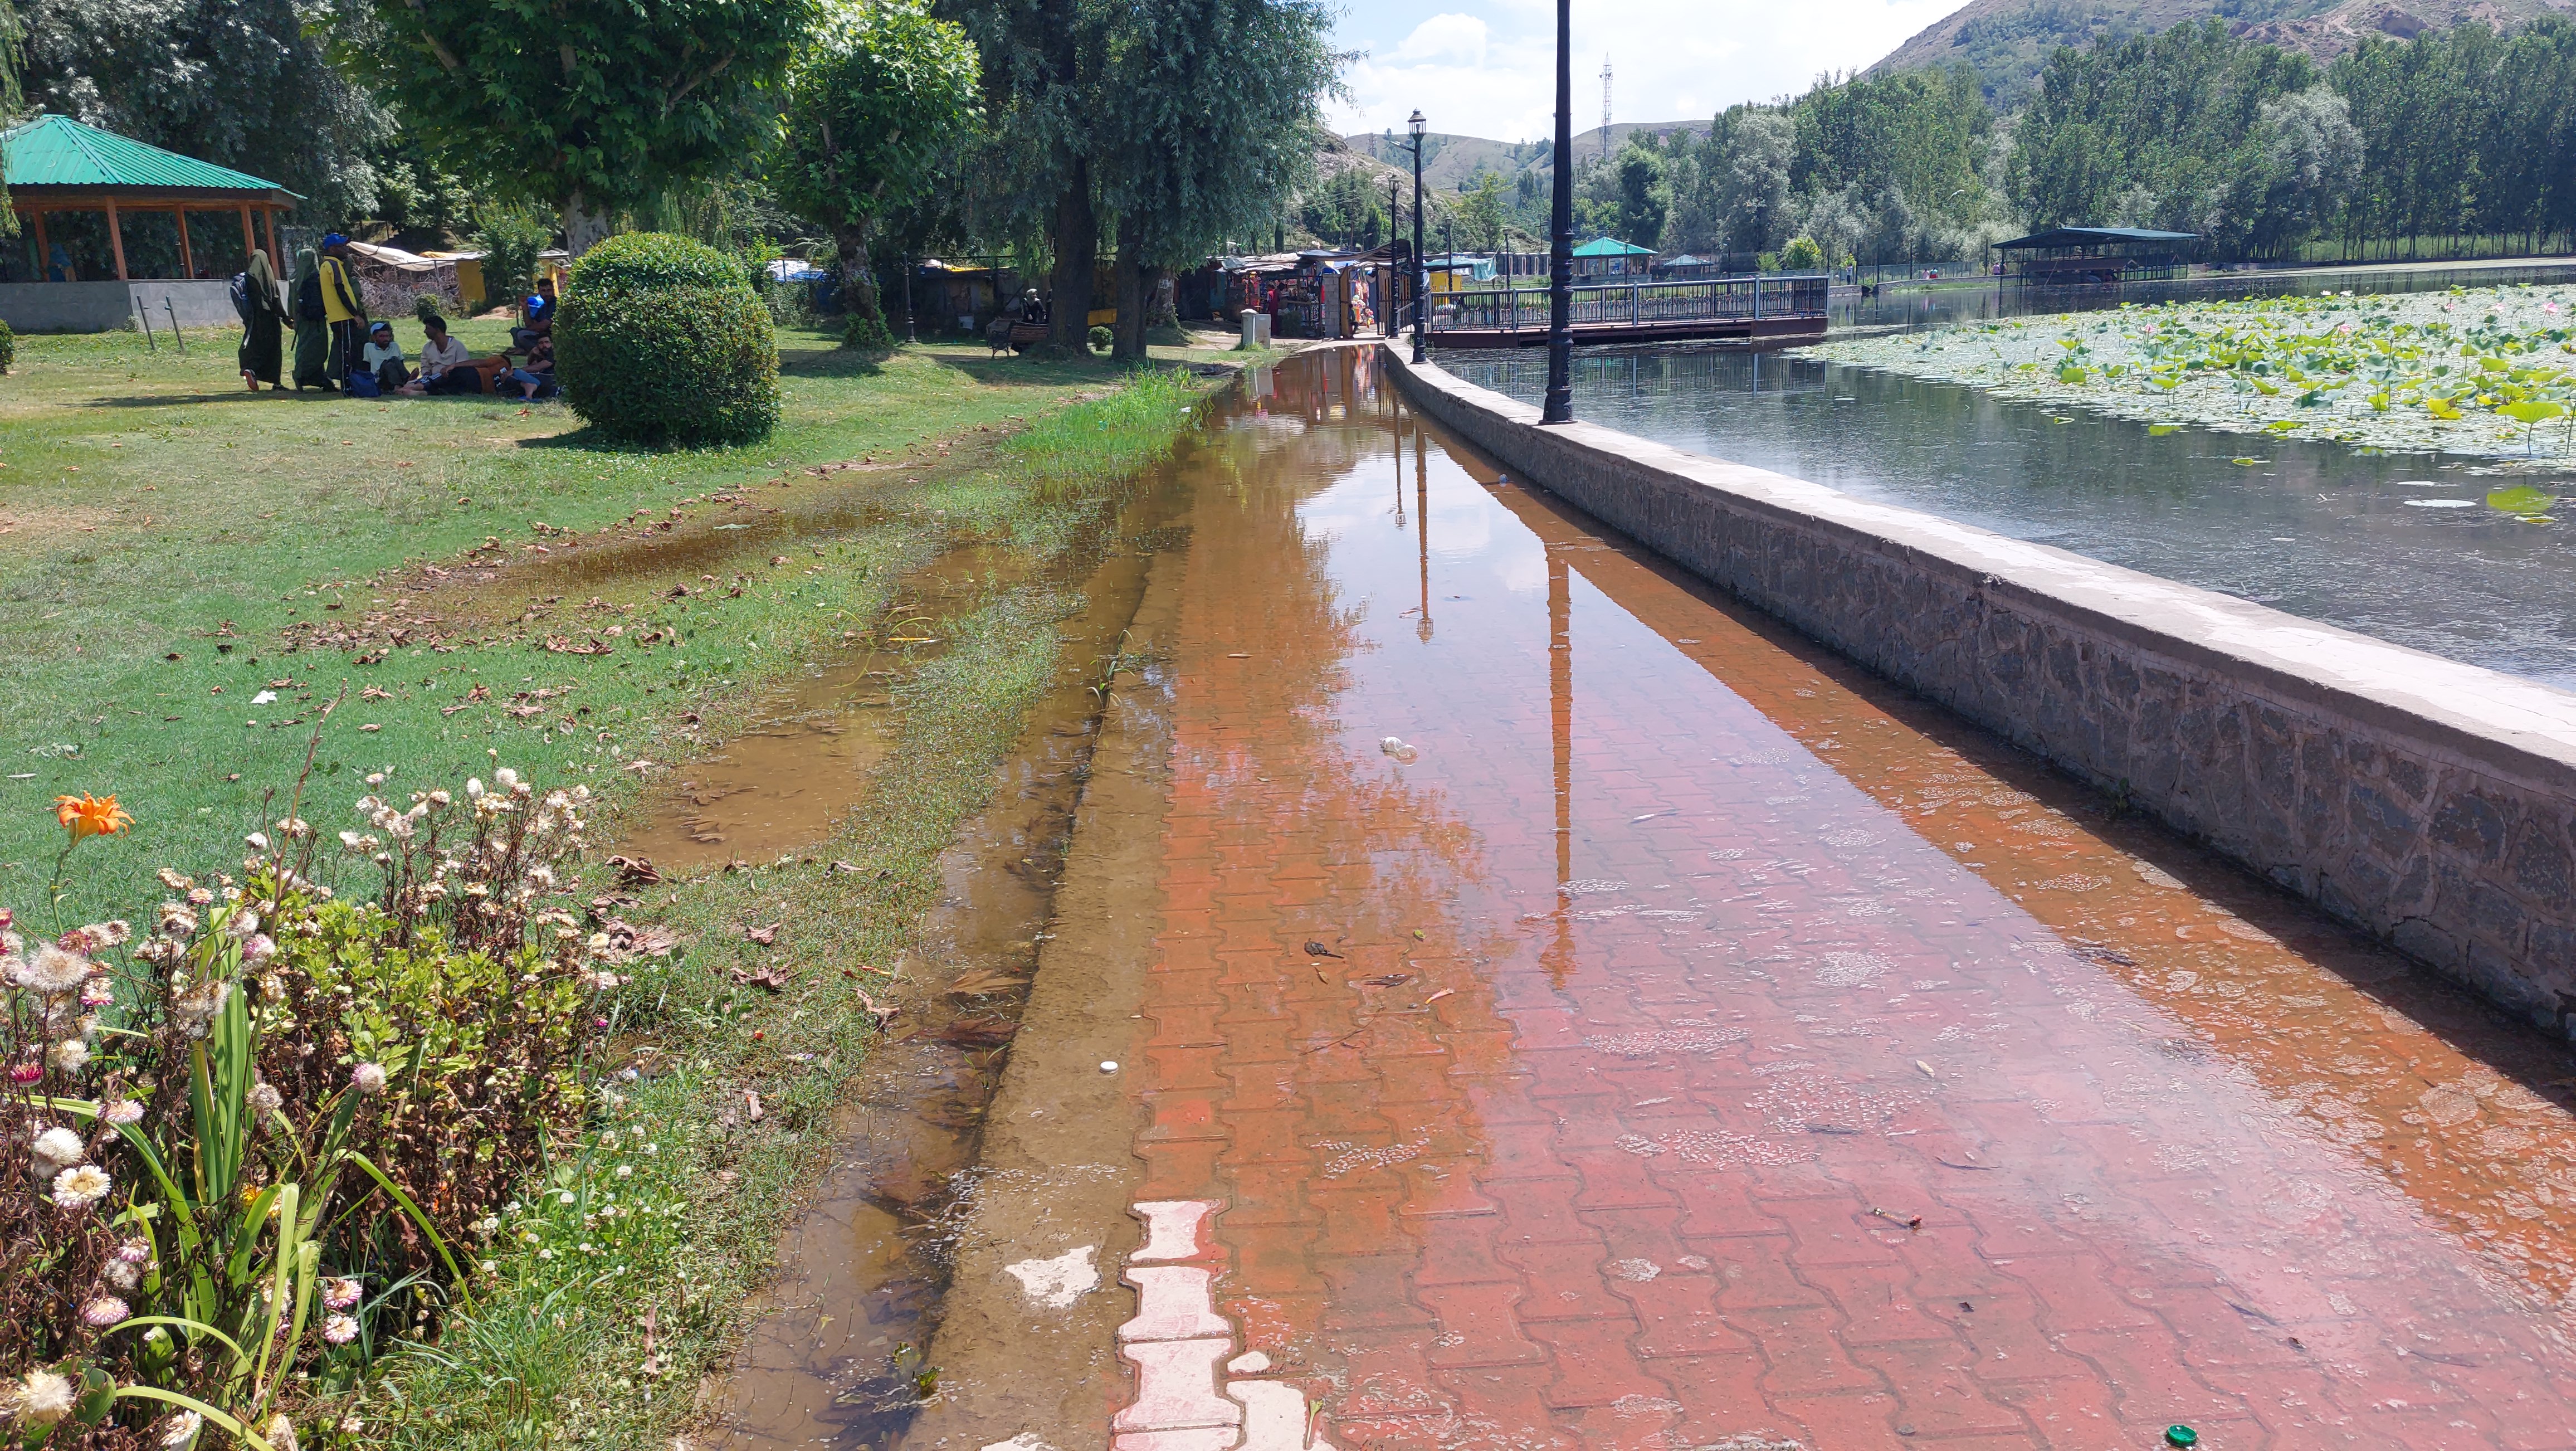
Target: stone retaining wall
[{"x": 2428, "y": 802}]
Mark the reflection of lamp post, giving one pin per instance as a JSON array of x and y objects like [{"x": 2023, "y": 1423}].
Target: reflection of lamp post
[
  {"x": 1421, "y": 273},
  {"x": 1559, "y": 407},
  {"x": 1421, "y": 523},
  {"x": 1399, "y": 464}
]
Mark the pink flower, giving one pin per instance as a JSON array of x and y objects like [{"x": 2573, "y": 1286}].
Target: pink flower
[
  {"x": 340, "y": 1294},
  {"x": 368, "y": 1078},
  {"x": 102, "y": 1311},
  {"x": 26, "y": 1072},
  {"x": 339, "y": 1329}
]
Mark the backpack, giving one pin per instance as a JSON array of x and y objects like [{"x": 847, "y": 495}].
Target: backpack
[
  {"x": 241, "y": 298},
  {"x": 308, "y": 298}
]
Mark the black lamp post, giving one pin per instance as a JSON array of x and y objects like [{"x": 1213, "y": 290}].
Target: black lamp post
[
  {"x": 1421, "y": 273},
  {"x": 1559, "y": 406},
  {"x": 911, "y": 327}
]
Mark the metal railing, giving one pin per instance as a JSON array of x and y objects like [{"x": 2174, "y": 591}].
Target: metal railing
[{"x": 1632, "y": 304}]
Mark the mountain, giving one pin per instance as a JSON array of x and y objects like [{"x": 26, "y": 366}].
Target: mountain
[
  {"x": 2007, "y": 41},
  {"x": 1452, "y": 163}
]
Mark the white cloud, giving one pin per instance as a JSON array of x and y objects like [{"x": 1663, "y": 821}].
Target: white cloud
[
  {"x": 1491, "y": 72},
  {"x": 1453, "y": 38}
]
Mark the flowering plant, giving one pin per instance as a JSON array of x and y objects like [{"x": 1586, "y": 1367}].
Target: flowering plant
[{"x": 276, "y": 1098}]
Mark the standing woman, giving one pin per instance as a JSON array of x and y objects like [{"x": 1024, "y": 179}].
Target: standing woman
[
  {"x": 262, "y": 323},
  {"x": 312, "y": 329}
]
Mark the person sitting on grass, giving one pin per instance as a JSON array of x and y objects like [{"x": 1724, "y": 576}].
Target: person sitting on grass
[
  {"x": 384, "y": 358},
  {"x": 538, "y": 372},
  {"x": 442, "y": 363}
]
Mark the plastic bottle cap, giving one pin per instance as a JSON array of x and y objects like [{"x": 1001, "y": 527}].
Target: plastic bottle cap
[{"x": 2181, "y": 1436}]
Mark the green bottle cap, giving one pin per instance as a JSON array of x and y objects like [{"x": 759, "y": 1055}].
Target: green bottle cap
[{"x": 2181, "y": 1436}]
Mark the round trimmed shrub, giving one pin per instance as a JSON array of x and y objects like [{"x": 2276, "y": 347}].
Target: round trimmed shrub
[
  {"x": 659, "y": 339},
  {"x": 1101, "y": 339},
  {"x": 8, "y": 347}
]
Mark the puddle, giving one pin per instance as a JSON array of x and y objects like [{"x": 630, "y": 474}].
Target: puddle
[
  {"x": 834, "y": 1356},
  {"x": 803, "y": 763},
  {"x": 1606, "y": 1018}
]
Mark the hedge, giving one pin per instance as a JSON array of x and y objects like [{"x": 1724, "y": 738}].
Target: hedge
[{"x": 659, "y": 339}]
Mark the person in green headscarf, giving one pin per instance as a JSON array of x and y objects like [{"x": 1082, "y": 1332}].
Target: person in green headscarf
[
  {"x": 313, "y": 332},
  {"x": 260, "y": 322}
]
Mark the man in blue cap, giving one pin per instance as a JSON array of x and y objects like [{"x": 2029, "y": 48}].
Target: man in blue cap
[{"x": 342, "y": 309}]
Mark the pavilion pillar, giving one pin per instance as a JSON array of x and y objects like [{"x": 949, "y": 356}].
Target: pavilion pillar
[
  {"x": 116, "y": 240},
  {"x": 276, "y": 258},
  {"x": 44, "y": 247},
  {"x": 187, "y": 259},
  {"x": 250, "y": 239}
]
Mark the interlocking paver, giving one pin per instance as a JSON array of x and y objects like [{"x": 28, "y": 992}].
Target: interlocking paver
[{"x": 1696, "y": 973}]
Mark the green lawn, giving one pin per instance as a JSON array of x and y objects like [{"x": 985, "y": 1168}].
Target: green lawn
[
  {"x": 151, "y": 508},
  {"x": 273, "y": 542}
]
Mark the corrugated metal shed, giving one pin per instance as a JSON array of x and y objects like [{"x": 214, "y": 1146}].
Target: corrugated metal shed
[{"x": 57, "y": 151}]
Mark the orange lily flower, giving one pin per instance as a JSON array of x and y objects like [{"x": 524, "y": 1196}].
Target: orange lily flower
[{"x": 85, "y": 816}]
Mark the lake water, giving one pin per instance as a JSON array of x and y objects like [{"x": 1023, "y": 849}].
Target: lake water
[{"x": 2392, "y": 545}]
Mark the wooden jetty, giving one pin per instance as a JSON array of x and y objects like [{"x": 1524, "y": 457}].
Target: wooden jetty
[{"x": 1779, "y": 310}]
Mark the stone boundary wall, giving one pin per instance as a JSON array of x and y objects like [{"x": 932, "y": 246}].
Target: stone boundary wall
[{"x": 2430, "y": 803}]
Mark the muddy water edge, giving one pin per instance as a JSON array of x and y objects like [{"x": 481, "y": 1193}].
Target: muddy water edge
[{"x": 833, "y": 1356}]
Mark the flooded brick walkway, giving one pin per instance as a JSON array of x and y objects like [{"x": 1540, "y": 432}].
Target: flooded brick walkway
[{"x": 1597, "y": 1019}]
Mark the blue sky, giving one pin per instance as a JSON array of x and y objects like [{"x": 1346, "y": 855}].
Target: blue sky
[{"x": 1485, "y": 67}]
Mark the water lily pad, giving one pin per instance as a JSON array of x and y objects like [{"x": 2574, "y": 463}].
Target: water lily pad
[
  {"x": 2159, "y": 430},
  {"x": 2521, "y": 500}
]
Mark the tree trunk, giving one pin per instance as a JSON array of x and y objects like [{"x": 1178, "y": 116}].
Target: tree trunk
[
  {"x": 1129, "y": 350},
  {"x": 865, "y": 327},
  {"x": 583, "y": 228},
  {"x": 1077, "y": 248}
]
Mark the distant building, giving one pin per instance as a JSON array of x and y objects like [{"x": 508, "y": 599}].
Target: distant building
[
  {"x": 2075, "y": 256},
  {"x": 1610, "y": 257}
]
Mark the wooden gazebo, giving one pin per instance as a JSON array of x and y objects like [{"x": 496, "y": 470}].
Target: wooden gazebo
[{"x": 56, "y": 164}]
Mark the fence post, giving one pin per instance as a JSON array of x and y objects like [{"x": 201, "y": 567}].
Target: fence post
[{"x": 1636, "y": 302}]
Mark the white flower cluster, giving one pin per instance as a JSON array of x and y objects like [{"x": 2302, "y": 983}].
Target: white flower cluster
[
  {"x": 492, "y": 868},
  {"x": 67, "y": 986}
]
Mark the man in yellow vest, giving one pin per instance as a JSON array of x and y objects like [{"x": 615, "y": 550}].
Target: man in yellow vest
[{"x": 342, "y": 309}]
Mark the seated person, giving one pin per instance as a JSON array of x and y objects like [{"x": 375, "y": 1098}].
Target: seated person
[
  {"x": 537, "y": 374},
  {"x": 536, "y": 315},
  {"x": 384, "y": 358},
  {"x": 442, "y": 364}
]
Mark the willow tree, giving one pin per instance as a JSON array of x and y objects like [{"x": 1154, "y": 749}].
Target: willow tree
[
  {"x": 882, "y": 94},
  {"x": 1217, "y": 118},
  {"x": 589, "y": 107}
]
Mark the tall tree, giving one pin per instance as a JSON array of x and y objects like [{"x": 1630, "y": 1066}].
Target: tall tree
[
  {"x": 245, "y": 83},
  {"x": 9, "y": 100},
  {"x": 589, "y": 107},
  {"x": 1216, "y": 125},
  {"x": 884, "y": 92}
]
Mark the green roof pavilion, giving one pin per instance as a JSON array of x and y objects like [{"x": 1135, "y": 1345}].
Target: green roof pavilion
[
  {"x": 1611, "y": 247},
  {"x": 56, "y": 164}
]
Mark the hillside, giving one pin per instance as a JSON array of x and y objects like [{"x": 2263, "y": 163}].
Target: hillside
[
  {"x": 1451, "y": 163},
  {"x": 2007, "y": 41}
]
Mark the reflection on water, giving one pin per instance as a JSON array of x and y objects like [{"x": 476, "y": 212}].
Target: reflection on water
[
  {"x": 1698, "y": 1038},
  {"x": 2315, "y": 529}
]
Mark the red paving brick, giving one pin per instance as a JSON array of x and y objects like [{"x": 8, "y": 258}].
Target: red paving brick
[{"x": 1697, "y": 977}]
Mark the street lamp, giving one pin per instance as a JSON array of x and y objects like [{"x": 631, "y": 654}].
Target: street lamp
[
  {"x": 1559, "y": 405},
  {"x": 1421, "y": 273}
]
